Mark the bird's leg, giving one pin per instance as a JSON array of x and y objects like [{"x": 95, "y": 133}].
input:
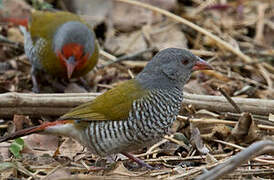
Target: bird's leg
[
  {"x": 59, "y": 87},
  {"x": 137, "y": 160},
  {"x": 35, "y": 87},
  {"x": 84, "y": 84}
]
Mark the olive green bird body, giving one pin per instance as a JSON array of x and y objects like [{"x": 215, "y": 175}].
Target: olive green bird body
[{"x": 60, "y": 44}]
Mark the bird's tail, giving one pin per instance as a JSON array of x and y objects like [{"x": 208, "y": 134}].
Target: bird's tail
[{"x": 34, "y": 129}]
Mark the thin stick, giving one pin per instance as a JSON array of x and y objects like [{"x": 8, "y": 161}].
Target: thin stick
[
  {"x": 230, "y": 100},
  {"x": 107, "y": 55},
  {"x": 125, "y": 57},
  {"x": 221, "y": 43},
  {"x": 220, "y": 121}
]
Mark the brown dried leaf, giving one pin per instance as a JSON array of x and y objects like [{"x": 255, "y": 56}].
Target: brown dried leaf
[
  {"x": 121, "y": 170},
  {"x": 20, "y": 121},
  {"x": 196, "y": 140},
  {"x": 15, "y": 8},
  {"x": 48, "y": 143},
  {"x": 4, "y": 151},
  {"x": 126, "y": 43},
  {"x": 15, "y": 35},
  {"x": 94, "y": 11},
  {"x": 246, "y": 130},
  {"x": 169, "y": 36},
  {"x": 218, "y": 131},
  {"x": 136, "y": 16},
  {"x": 70, "y": 148},
  {"x": 58, "y": 174}
]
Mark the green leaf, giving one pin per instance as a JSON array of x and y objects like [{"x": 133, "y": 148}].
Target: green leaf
[{"x": 16, "y": 147}]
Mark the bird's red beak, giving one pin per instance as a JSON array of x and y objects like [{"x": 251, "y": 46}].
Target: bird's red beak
[
  {"x": 202, "y": 65},
  {"x": 70, "y": 64}
]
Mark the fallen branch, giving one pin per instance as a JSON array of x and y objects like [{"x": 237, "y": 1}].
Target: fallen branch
[
  {"x": 255, "y": 149},
  {"x": 58, "y": 104}
]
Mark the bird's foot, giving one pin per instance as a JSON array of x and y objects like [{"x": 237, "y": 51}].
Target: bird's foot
[
  {"x": 35, "y": 87},
  {"x": 139, "y": 161}
]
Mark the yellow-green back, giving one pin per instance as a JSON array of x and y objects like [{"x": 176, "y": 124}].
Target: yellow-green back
[
  {"x": 115, "y": 104},
  {"x": 44, "y": 24}
]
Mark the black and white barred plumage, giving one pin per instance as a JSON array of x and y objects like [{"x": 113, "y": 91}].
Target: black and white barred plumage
[{"x": 149, "y": 119}]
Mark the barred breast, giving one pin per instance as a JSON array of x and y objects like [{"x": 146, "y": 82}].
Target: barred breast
[{"x": 149, "y": 119}]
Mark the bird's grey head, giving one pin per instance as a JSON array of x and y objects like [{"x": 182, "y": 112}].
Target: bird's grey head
[
  {"x": 74, "y": 32},
  {"x": 170, "y": 67},
  {"x": 74, "y": 43}
]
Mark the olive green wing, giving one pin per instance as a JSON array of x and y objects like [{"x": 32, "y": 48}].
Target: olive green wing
[
  {"x": 115, "y": 104},
  {"x": 44, "y": 24}
]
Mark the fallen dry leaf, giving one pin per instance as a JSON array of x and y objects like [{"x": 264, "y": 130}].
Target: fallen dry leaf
[
  {"x": 60, "y": 173},
  {"x": 44, "y": 143},
  {"x": 15, "y": 8},
  {"x": 196, "y": 140},
  {"x": 137, "y": 16},
  {"x": 15, "y": 35},
  {"x": 217, "y": 131},
  {"x": 121, "y": 170},
  {"x": 69, "y": 148},
  {"x": 21, "y": 121},
  {"x": 246, "y": 130},
  {"x": 4, "y": 151}
]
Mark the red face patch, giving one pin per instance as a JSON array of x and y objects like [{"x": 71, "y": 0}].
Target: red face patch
[{"x": 76, "y": 50}]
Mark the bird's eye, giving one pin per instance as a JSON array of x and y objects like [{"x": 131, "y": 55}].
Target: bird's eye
[{"x": 185, "y": 61}]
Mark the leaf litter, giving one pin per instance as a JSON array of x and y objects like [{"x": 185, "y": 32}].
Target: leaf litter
[{"x": 200, "y": 139}]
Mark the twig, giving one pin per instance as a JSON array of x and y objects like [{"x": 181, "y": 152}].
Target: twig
[
  {"x": 170, "y": 138},
  {"x": 203, "y": 6},
  {"x": 125, "y": 57},
  {"x": 235, "y": 161},
  {"x": 266, "y": 76},
  {"x": 53, "y": 171},
  {"x": 189, "y": 158},
  {"x": 220, "y": 121},
  {"x": 230, "y": 100},
  {"x": 6, "y": 40},
  {"x": 242, "y": 148},
  {"x": 192, "y": 25},
  {"x": 260, "y": 23},
  {"x": 107, "y": 55},
  {"x": 58, "y": 104}
]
